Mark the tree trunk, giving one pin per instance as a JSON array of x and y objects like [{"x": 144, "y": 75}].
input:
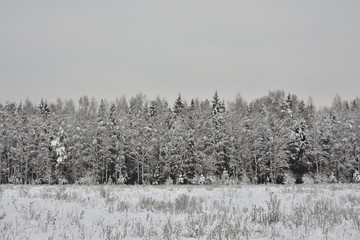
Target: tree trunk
[
  {"x": 0, "y": 171},
  {"x": 317, "y": 164},
  {"x": 255, "y": 160},
  {"x": 27, "y": 171},
  {"x": 138, "y": 174},
  {"x": 142, "y": 170},
  {"x": 9, "y": 170},
  {"x": 256, "y": 169},
  {"x": 272, "y": 170},
  {"x": 106, "y": 171}
]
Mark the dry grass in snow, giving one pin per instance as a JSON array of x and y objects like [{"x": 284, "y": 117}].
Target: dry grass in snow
[{"x": 180, "y": 212}]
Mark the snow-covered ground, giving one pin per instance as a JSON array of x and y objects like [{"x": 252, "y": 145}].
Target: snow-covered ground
[{"x": 180, "y": 212}]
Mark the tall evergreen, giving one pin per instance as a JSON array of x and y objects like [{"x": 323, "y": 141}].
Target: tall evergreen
[{"x": 179, "y": 106}]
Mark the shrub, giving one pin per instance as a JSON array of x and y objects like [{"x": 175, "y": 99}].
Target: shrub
[
  {"x": 307, "y": 179},
  {"x": 289, "y": 179},
  {"x": 184, "y": 203},
  {"x": 273, "y": 208},
  {"x": 320, "y": 178}
]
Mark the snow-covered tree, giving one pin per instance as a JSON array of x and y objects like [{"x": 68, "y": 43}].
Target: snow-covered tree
[
  {"x": 270, "y": 138},
  {"x": 101, "y": 143},
  {"x": 62, "y": 167}
]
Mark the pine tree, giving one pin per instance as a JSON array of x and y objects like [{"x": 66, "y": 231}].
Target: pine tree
[
  {"x": 44, "y": 109},
  {"x": 45, "y": 161},
  {"x": 190, "y": 147},
  {"x": 24, "y": 144},
  {"x": 179, "y": 106},
  {"x": 7, "y": 142},
  {"x": 62, "y": 167},
  {"x": 298, "y": 148},
  {"x": 278, "y": 118},
  {"x": 84, "y": 141},
  {"x": 101, "y": 162},
  {"x": 2, "y": 143},
  {"x": 253, "y": 148},
  {"x": 15, "y": 151},
  {"x": 116, "y": 163},
  {"x": 220, "y": 136}
]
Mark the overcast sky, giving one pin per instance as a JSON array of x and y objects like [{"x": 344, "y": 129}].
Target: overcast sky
[{"x": 70, "y": 48}]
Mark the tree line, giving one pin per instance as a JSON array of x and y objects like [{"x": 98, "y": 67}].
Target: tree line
[{"x": 277, "y": 138}]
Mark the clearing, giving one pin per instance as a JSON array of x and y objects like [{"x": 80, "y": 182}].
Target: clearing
[{"x": 324, "y": 211}]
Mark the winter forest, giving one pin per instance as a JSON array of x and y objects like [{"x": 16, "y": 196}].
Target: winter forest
[{"x": 277, "y": 138}]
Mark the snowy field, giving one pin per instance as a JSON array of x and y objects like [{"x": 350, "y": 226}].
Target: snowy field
[{"x": 180, "y": 212}]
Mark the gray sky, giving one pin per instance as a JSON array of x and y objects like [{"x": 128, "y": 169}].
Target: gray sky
[{"x": 111, "y": 48}]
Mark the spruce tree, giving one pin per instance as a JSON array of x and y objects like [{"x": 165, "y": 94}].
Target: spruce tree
[{"x": 179, "y": 106}]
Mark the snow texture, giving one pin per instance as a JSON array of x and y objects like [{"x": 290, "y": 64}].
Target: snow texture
[{"x": 180, "y": 212}]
